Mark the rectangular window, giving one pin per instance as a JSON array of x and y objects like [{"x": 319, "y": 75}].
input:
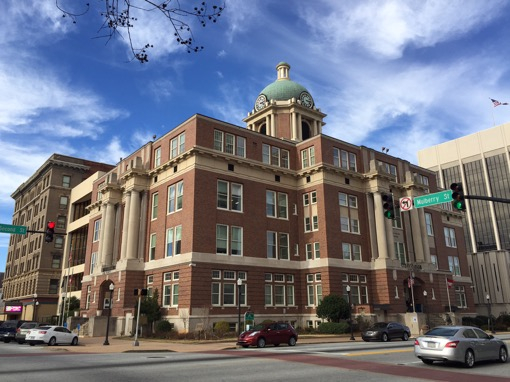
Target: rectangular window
[
  {"x": 275, "y": 156},
  {"x": 218, "y": 140},
  {"x": 271, "y": 203},
  {"x": 222, "y": 194},
  {"x": 53, "y": 289},
  {"x": 55, "y": 261},
  {"x": 268, "y": 294},
  {"x": 97, "y": 230},
  {"x": 282, "y": 206},
  {"x": 167, "y": 289},
  {"x": 171, "y": 198},
  {"x": 309, "y": 252},
  {"x": 279, "y": 295},
  {"x": 180, "y": 193},
  {"x": 271, "y": 245},
  {"x": 315, "y": 223},
  {"x": 155, "y": 198},
  {"x": 221, "y": 239},
  {"x": 177, "y": 145},
  {"x": 175, "y": 294},
  {"x": 344, "y": 224},
  {"x": 157, "y": 157},
  {"x": 316, "y": 250},
  {"x": 400, "y": 252},
  {"x": 449, "y": 234},
  {"x": 311, "y": 295},
  {"x": 241, "y": 147},
  {"x": 229, "y": 294},
  {"x": 229, "y": 143},
  {"x": 63, "y": 202},
  {"x": 215, "y": 294},
  {"x": 66, "y": 181},
  {"x": 283, "y": 246},
  {"x": 152, "y": 250},
  {"x": 454, "y": 265},
  {"x": 308, "y": 224},
  {"x": 93, "y": 261},
  {"x": 236, "y": 243},
  {"x": 346, "y": 251},
  {"x": 173, "y": 241},
  {"x": 61, "y": 222},
  {"x": 304, "y": 159},
  {"x": 265, "y": 154},
  {"x": 290, "y": 295},
  {"x": 428, "y": 224},
  {"x": 237, "y": 197},
  {"x": 306, "y": 199}
]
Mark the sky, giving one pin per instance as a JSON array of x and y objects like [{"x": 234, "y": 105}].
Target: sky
[{"x": 403, "y": 74}]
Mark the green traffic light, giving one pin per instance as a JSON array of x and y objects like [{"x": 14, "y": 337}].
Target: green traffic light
[
  {"x": 389, "y": 214},
  {"x": 459, "y": 205}
]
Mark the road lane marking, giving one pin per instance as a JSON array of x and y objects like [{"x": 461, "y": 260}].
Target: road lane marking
[{"x": 377, "y": 352}]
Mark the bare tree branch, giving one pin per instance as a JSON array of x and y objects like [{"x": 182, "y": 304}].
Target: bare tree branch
[{"x": 117, "y": 16}]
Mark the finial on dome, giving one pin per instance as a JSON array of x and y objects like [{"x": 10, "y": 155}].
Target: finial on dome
[{"x": 283, "y": 70}]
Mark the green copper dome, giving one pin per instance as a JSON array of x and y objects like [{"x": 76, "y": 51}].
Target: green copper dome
[{"x": 282, "y": 89}]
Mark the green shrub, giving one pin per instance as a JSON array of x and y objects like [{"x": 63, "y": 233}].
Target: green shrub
[
  {"x": 164, "y": 329},
  {"x": 333, "y": 328},
  {"x": 221, "y": 328}
]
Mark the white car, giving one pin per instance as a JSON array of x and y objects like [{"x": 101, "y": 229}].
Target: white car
[{"x": 51, "y": 335}]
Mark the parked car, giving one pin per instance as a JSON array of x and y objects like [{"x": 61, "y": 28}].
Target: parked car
[
  {"x": 464, "y": 344},
  {"x": 8, "y": 329},
  {"x": 386, "y": 331},
  {"x": 51, "y": 335},
  {"x": 274, "y": 333},
  {"x": 22, "y": 331}
]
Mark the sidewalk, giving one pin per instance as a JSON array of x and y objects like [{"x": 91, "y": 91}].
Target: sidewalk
[{"x": 124, "y": 345}]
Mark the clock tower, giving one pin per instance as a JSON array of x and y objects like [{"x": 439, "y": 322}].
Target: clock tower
[{"x": 285, "y": 109}]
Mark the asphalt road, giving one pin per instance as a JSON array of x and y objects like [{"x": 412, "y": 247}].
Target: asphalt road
[{"x": 358, "y": 361}]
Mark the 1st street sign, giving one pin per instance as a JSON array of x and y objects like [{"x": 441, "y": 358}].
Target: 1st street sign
[
  {"x": 13, "y": 229},
  {"x": 433, "y": 199}
]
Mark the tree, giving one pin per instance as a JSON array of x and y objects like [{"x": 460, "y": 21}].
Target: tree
[
  {"x": 333, "y": 308},
  {"x": 118, "y": 16},
  {"x": 150, "y": 307}
]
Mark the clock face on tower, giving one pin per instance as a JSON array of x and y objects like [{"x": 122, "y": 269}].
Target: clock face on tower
[
  {"x": 306, "y": 99},
  {"x": 260, "y": 103}
]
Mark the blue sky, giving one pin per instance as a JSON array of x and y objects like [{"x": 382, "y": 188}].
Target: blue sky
[{"x": 404, "y": 74}]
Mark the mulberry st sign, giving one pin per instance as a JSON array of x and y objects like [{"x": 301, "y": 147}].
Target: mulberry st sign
[
  {"x": 433, "y": 199},
  {"x": 13, "y": 229}
]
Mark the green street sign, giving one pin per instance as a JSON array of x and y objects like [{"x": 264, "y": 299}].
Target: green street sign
[
  {"x": 432, "y": 199},
  {"x": 249, "y": 316},
  {"x": 13, "y": 229}
]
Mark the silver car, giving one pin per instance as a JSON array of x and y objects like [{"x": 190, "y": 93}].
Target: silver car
[{"x": 465, "y": 344}]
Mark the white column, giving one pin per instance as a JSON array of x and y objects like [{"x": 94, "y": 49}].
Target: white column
[
  {"x": 273, "y": 125},
  {"x": 108, "y": 234},
  {"x": 380, "y": 227},
  {"x": 299, "y": 128},
  {"x": 127, "y": 205},
  {"x": 100, "y": 249},
  {"x": 133, "y": 225},
  {"x": 268, "y": 125}
]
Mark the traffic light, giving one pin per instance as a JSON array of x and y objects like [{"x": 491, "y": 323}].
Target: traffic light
[
  {"x": 458, "y": 201},
  {"x": 388, "y": 206},
  {"x": 50, "y": 230}
]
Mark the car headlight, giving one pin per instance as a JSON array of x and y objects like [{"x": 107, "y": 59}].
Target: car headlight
[{"x": 253, "y": 334}]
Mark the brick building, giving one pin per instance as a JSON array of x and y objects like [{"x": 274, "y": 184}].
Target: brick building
[
  {"x": 33, "y": 269},
  {"x": 269, "y": 219}
]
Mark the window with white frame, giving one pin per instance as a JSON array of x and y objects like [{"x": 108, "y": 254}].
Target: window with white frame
[
  {"x": 277, "y": 245},
  {"x": 64, "y": 200},
  {"x": 152, "y": 249},
  {"x": 348, "y": 205},
  {"x": 173, "y": 241},
  {"x": 279, "y": 289},
  {"x": 388, "y": 168},
  {"x": 313, "y": 251},
  {"x": 449, "y": 235},
  {"x": 229, "y": 196},
  {"x": 93, "y": 262},
  {"x": 171, "y": 291},
  {"x": 344, "y": 159},
  {"x": 400, "y": 252},
  {"x": 175, "y": 194},
  {"x": 229, "y": 143},
  {"x": 226, "y": 245},
  {"x": 428, "y": 224},
  {"x": 157, "y": 157},
  {"x": 66, "y": 181},
  {"x": 346, "y": 200},
  {"x": 314, "y": 289},
  {"x": 275, "y": 156},
  {"x": 359, "y": 289},
  {"x": 397, "y": 221},
  {"x": 276, "y": 204},
  {"x": 454, "y": 265},
  {"x": 351, "y": 251},
  {"x": 97, "y": 230},
  {"x": 155, "y": 198},
  {"x": 460, "y": 296},
  {"x": 308, "y": 157},
  {"x": 177, "y": 145},
  {"x": 433, "y": 260}
]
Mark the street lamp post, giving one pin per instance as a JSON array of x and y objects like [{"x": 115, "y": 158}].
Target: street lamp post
[
  {"x": 34, "y": 313},
  {"x": 111, "y": 287},
  {"x": 348, "y": 288},
  {"x": 489, "y": 319},
  {"x": 425, "y": 308},
  {"x": 239, "y": 284}
]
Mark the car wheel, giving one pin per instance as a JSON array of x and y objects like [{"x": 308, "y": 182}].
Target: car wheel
[
  {"x": 74, "y": 342},
  {"x": 52, "y": 341},
  {"x": 427, "y": 361},
  {"x": 405, "y": 337},
  {"x": 469, "y": 359},
  {"x": 261, "y": 343},
  {"x": 6, "y": 340},
  {"x": 21, "y": 342},
  {"x": 31, "y": 344},
  {"x": 384, "y": 337},
  {"x": 292, "y": 341},
  {"x": 503, "y": 354}
]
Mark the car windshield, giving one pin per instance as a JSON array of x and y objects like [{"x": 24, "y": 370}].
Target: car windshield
[
  {"x": 259, "y": 327},
  {"x": 379, "y": 325},
  {"x": 43, "y": 327},
  {"x": 8, "y": 324},
  {"x": 442, "y": 332},
  {"x": 28, "y": 325}
]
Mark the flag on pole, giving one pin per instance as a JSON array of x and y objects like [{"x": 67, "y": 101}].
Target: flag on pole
[
  {"x": 410, "y": 281},
  {"x": 497, "y": 103},
  {"x": 449, "y": 282}
]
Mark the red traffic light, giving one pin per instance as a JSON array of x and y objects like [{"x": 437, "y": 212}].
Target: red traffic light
[
  {"x": 51, "y": 225},
  {"x": 50, "y": 230}
]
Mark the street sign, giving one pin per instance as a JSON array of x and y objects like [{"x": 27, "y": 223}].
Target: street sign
[
  {"x": 14, "y": 229},
  {"x": 433, "y": 199},
  {"x": 406, "y": 203},
  {"x": 249, "y": 316}
]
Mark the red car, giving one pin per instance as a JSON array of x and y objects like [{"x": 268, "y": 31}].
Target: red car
[{"x": 274, "y": 333}]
